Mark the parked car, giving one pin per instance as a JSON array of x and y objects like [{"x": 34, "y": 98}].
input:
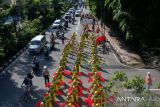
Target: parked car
[{"x": 37, "y": 44}]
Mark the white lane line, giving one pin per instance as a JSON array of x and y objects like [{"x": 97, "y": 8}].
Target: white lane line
[
  {"x": 127, "y": 65},
  {"x": 152, "y": 89},
  {"x": 77, "y": 27},
  {"x": 12, "y": 63},
  {"x": 117, "y": 59}
]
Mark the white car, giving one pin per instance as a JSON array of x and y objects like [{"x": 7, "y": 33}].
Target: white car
[
  {"x": 57, "y": 22},
  {"x": 78, "y": 13},
  {"x": 37, "y": 44},
  {"x": 67, "y": 16}
]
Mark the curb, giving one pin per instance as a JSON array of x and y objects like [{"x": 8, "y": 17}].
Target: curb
[{"x": 116, "y": 51}]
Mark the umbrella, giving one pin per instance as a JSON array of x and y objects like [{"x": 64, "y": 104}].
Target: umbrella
[{"x": 100, "y": 39}]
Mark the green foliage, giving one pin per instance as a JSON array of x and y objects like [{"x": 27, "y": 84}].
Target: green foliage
[
  {"x": 138, "y": 25},
  {"x": 119, "y": 76},
  {"x": 158, "y": 85},
  {"x": 2, "y": 54},
  {"x": 151, "y": 99},
  {"x": 128, "y": 84},
  {"x": 36, "y": 15},
  {"x": 138, "y": 84}
]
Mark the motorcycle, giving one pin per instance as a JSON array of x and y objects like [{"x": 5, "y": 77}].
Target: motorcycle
[
  {"x": 35, "y": 66},
  {"x": 73, "y": 21},
  {"x": 46, "y": 53},
  {"x": 52, "y": 42}
]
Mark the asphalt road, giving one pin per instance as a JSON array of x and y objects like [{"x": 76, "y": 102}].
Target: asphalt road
[{"x": 11, "y": 93}]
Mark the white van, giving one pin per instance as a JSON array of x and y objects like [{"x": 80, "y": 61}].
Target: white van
[{"x": 37, "y": 44}]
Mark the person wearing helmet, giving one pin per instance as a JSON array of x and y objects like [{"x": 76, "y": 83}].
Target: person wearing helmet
[{"x": 46, "y": 74}]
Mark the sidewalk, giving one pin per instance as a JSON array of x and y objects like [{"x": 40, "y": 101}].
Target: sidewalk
[
  {"x": 122, "y": 51},
  {"x": 125, "y": 55}
]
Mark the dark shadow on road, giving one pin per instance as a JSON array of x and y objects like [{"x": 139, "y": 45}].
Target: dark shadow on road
[
  {"x": 71, "y": 57},
  {"x": 102, "y": 70},
  {"x": 15, "y": 97},
  {"x": 39, "y": 73},
  {"x": 56, "y": 43},
  {"x": 117, "y": 67},
  {"x": 68, "y": 68},
  {"x": 87, "y": 67},
  {"x": 82, "y": 103},
  {"x": 38, "y": 95},
  {"x": 67, "y": 30},
  {"x": 65, "y": 86},
  {"x": 60, "y": 98},
  {"x": 62, "y": 91},
  {"x": 56, "y": 49}
]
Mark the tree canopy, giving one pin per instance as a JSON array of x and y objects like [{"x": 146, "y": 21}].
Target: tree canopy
[{"x": 137, "y": 20}]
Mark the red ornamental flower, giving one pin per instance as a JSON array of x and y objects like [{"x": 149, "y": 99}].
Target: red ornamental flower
[
  {"x": 66, "y": 72},
  {"x": 48, "y": 84},
  {"x": 88, "y": 101},
  {"x": 38, "y": 104},
  {"x": 45, "y": 94}
]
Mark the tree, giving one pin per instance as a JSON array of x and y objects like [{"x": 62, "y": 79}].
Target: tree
[{"x": 136, "y": 24}]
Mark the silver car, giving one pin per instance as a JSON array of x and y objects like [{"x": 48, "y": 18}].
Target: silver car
[{"x": 37, "y": 44}]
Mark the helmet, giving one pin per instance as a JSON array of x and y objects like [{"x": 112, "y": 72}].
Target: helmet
[
  {"x": 148, "y": 73},
  {"x": 34, "y": 57},
  {"x": 45, "y": 67}
]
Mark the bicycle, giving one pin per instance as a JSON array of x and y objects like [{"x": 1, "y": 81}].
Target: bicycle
[{"x": 27, "y": 93}]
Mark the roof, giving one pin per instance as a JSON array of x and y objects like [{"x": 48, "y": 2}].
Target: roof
[
  {"x": 58, "y": 20},
  {"x": 38, "y": 37}
]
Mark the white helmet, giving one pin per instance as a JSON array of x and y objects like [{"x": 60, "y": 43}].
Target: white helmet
[
  {"x": 148, "y": 73},
  {"x": 45, "y": 67}
]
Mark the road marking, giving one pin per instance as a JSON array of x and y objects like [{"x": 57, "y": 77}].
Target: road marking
[
  {"x": 152, "y": 89},
  {"x": 77, "y": 27},
  {"x": 126, "y": 65}
]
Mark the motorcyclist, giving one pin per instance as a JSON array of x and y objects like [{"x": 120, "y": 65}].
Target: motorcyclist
[
  {"x": 57, "y": 33},
  {"x": 66, "y": 24},
  {"x": 73, "y": 18},
  {"x": 30, "y": 76},
  {"x": 46, "y": 52},
  {"x": 35, "y": 63},
  {"x": 27, "y": 85},
  {"x": 52, "y": 40}
]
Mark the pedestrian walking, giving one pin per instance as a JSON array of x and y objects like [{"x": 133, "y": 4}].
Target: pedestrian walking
[
  {"x": 148, "y": 80},
  {"x": 46, "y": 74}
]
